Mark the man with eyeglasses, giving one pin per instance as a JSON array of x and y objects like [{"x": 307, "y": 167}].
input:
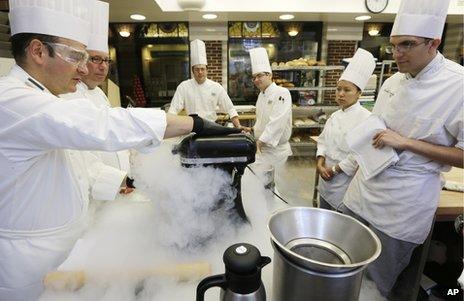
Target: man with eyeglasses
[
  {"x": 43, "y": 194},
  {"x": 110, "y": 171},
  {"x": 200, "y": 95},
  {"x": 422, "y": 107},
  {"x": 273, "y": 126}
]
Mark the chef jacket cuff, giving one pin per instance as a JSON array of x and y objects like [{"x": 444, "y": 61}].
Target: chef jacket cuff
[
  {"x": 460, "y": 144},
  {"x": 108, "y": 183},
  {"x": 152, "y": 121},
  {"x": 232, "y": 113},
  {"x": 268, "y": 140},
  {"x": 348, "y": 166},
  {"x": 320, "y": 152}
]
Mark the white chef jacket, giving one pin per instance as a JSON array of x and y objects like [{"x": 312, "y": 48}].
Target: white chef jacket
[
  {"x": 42, "y": 194},
  {"x": 203, "y": 99},
  {"x": 113, "y": 166},
  {"x": 332, "y": 145},
  {"x": 273, "y": 124},
  {"x": 402, "y": 200}
]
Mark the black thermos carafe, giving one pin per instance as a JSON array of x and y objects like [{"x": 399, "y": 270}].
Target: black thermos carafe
[{"x": 242, "y": 279}]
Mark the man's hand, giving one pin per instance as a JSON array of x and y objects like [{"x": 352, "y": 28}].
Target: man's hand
[
  {"x": 326, "y": 173},
  {"x": 389, "y": 137},
  {"x": 126, "y": 190},
  {"x": 245, "y": 129},
  {"x": 259, "y": 145}
]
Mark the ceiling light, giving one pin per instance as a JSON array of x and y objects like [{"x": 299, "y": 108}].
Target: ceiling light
[
  {"x": 150, "y": 46},
  {"x": 137, "y": 17},
  {"x": 124, "y": 33},
  {"x": 293, "y": 33},
  {"x": 286, "y": 17},
  {"x": 209, "y": 16},
  {"x": 373, "y": 32},
  {"x": 362, "y": 18}
]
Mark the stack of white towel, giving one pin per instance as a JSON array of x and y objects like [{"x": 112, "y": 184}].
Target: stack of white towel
[{"x": 371, "y": 160}]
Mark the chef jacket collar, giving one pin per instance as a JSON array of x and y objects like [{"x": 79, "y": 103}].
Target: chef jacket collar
[
  {"x": 433, "y": 66},
  {"x": 269, "y": 88},
  {"x": 202, "y": 84},
  {"x": 352, "y": 107},
  {"x": 22, "y": 75}
]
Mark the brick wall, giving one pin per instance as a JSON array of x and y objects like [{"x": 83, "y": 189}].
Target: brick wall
[
  {"x": 336, "y": 51},
  {"x": 214, "y": 57}
]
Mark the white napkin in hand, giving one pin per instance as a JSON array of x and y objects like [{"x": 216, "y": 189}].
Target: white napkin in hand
[{"x": 371, "y": 160}]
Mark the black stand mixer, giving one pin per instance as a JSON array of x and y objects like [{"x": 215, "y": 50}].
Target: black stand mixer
[{"x": 231, "y": 153}]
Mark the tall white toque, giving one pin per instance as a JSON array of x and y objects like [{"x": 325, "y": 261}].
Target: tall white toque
[
  {"x": 99, "y": 27},
  {"x": 421, "y": 18},
  {"x": 68, "y": 19},
  {"x": 259, "y": 61},
  {"x": 360, "y": 68},
  {"x": 198, "y": 53}
]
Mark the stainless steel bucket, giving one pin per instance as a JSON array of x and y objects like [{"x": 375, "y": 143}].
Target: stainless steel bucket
[
  {"x": 293, "y": 283},
  {"x": 319, "y": 254}
]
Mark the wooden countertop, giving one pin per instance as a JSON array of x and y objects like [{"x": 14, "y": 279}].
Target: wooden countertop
[
  {"x": 451, "y": 202},
  {"x": 248, "y": 116}
]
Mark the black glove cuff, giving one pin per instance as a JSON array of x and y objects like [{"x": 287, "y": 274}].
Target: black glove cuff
[
  {"x": 197, "y": 123},
  {"x": 129, "y": 182}
]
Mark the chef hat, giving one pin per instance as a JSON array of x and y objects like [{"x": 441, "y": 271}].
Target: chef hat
[
  {"x": 68, "y": 19},
  {"x": 421, "y": 18},
  {"x": 99, "y": 27},
  {"x": 198, "y": 53},
  {"x": 259, "y": 60},
  {"x": 360, "y": 68}
]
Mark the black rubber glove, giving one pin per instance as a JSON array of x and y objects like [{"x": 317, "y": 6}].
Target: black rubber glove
[
  {"x": 130, "y": 182},
  {"x": 203, "y": 127}
]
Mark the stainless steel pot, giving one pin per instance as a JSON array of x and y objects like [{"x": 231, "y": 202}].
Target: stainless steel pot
[
  {"x": 322, "y": 240},
  {"x": 294, "y": 283},
  {"x": 319, "y": 254}
]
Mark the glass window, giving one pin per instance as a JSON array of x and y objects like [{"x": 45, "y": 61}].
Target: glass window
[
  {"x": 281, "y": 47},
  {"x": 164, "y": 67}
]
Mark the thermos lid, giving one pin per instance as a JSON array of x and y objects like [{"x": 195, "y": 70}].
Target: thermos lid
[{"x": 242, "y": 259}]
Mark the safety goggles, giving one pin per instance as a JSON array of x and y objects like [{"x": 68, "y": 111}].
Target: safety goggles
[
  {"x": 99, "y": 60},
  {"x": 259, "y": 75},
  {"x": 404, "y": 47},
  {"x": 74, "y": 56}
]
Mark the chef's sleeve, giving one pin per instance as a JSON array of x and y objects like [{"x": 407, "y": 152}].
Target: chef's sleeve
[
  {"x": 321, "y": 142},
  {"x": 177, "y": 102},
  {"x": 349, "y": 165},
  {"x": 454, "y": 126},
  {"x": 225, "y": 103},
  {"x": 76, "y": 124},
  {"x": 105, "y": 181}
]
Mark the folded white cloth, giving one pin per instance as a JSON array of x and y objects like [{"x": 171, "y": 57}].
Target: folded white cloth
[
  {"x": 453, "y": 186},
  {"x": 371, "y": 160}
]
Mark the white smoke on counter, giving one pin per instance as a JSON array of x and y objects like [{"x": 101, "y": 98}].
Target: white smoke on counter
[
  {"x": 172, "y": 218},
  {"x": 162, "y": 223}
]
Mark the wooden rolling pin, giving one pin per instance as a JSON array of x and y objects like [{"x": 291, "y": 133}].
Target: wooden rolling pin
[{"x": 73, "y": 280}]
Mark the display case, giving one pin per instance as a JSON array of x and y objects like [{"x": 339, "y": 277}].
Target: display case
[
  {"x": 280, "y": 45},
  {"x": 310, "y": 107}
]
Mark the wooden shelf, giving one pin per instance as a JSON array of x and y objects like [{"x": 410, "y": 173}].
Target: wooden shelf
[
  {"x": 296, "y": 68},
  {"x": 311, "y": 88}
]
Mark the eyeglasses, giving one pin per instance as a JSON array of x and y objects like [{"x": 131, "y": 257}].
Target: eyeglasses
[
  {"x": 74, "y": 56},
  {"x": 404, "y": 46},
  {"x": 259, "y": 75},
  {"x": 99, "y": 60}
]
